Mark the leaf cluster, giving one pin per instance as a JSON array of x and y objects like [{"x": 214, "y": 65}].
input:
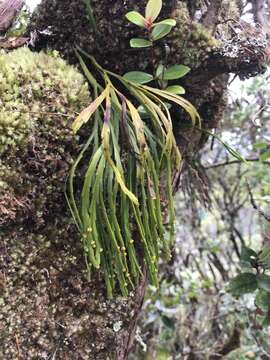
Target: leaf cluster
[
  {"x": 155, "y": 31},
  {"x": 254, "y": 278}
]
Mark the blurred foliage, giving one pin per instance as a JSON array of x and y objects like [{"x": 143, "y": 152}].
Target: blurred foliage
[
  {"x": 21, "y": 22},
  {"x": 191, "y": 316}
]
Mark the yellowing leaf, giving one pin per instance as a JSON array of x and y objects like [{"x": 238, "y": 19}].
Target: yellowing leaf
[
  {"x": 186, "y": 105},
  {"x": 175, "y": 89},
  {"x": 138, "y": 124},
  {"x": 86, "y": 114},
  {"x": 153, "y": 9},
  {"x": 121, "y": 182}
]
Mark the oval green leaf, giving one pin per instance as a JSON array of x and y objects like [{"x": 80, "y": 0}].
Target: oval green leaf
[
  {"x": 263, "y": 300},
  {"x": 265, "y": 155},
  {"x": 136, "y": 18},
  {"x": 138, "y": 77},
  {"x": 242, "y": 284},
  {"x": 264, "y": 282},
  {"x": 153, "y": 9},
  {"x": 170, "y": 22},
  {"x": 175, "y": 89},
  {"x": 139, "y": 43},
  {"x": 160, "y": 31},
  {"x": 260, "y": 145},
  {"x": 248, "y": 257},
  {"x": 176, "y": 72}
]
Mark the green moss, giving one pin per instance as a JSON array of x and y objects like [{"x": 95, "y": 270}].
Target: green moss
[
  {"x": 190, "y": 42},
  {"x": 40, "y": 96},
  {"x": 114, "y": 33},
  {"x": 31, "y": 85}
]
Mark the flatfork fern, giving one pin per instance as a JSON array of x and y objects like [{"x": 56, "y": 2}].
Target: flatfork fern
[{"x": 128, "y": 181}]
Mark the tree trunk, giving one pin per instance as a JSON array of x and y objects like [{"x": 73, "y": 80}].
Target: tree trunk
[{"x": 54, "y": 311}]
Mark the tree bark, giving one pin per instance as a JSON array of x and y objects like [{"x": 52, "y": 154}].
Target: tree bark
[
  {"x": 8, "y": 11},
  {"x": 66, "y": 316}
]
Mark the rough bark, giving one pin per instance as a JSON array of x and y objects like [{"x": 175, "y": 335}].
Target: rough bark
[
  {"x": 64, "y": 315},
  {"x": 261, "y": 14},
  {"x": 8, "y": 11}
]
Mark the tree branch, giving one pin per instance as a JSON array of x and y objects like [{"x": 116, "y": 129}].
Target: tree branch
[
  {"x": 234, "y": 162},
  {"x": 255, "y": 206},
  {"x": 260, "y": 15},
  {"x": 210, "y": 19},
  {"x": 8, "y": 11},
  {"x": 247, "y": 54}
]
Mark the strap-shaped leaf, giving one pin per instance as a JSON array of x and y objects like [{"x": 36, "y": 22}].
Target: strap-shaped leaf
[
  {"x": 138, "y": 124},
  {"x": 186, "y": 105},
  {"x": 86, "y": 114}
]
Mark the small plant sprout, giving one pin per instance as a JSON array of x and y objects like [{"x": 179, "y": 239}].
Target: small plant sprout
[{"x": 155, "y": 31}]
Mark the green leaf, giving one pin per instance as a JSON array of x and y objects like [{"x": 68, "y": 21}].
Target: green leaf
[
  {"x": 259, "y": 145},
  {"x": 136, "y": 18},
  {"x": 153, "y": 9},
  {"x": 143, "y": 113},
  {"x": 139, "y": 43},
  {"x": 263, "y": 300},
  {"x": 266, "y": 321},
  {"x": 175, "y": 89},
  {"x": 176, "y": 72},
  {"x": 168, "y": 322},
  {"x": 160, "y": 70},
  {"x": 160, "y": 31},
  {"x": 264, "y": 282},
  {"x": 265, "y": 155},
  {"x": 170, "y": 22},
  {"x": 86, "y": 114},
  {"x": 242, "y": 284},
  {"x": 138, "y": 77},
  {"x": 265, "y": 253},
  {"x": 232, "y": 151},
  {"x": 248, "y": 256}
]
